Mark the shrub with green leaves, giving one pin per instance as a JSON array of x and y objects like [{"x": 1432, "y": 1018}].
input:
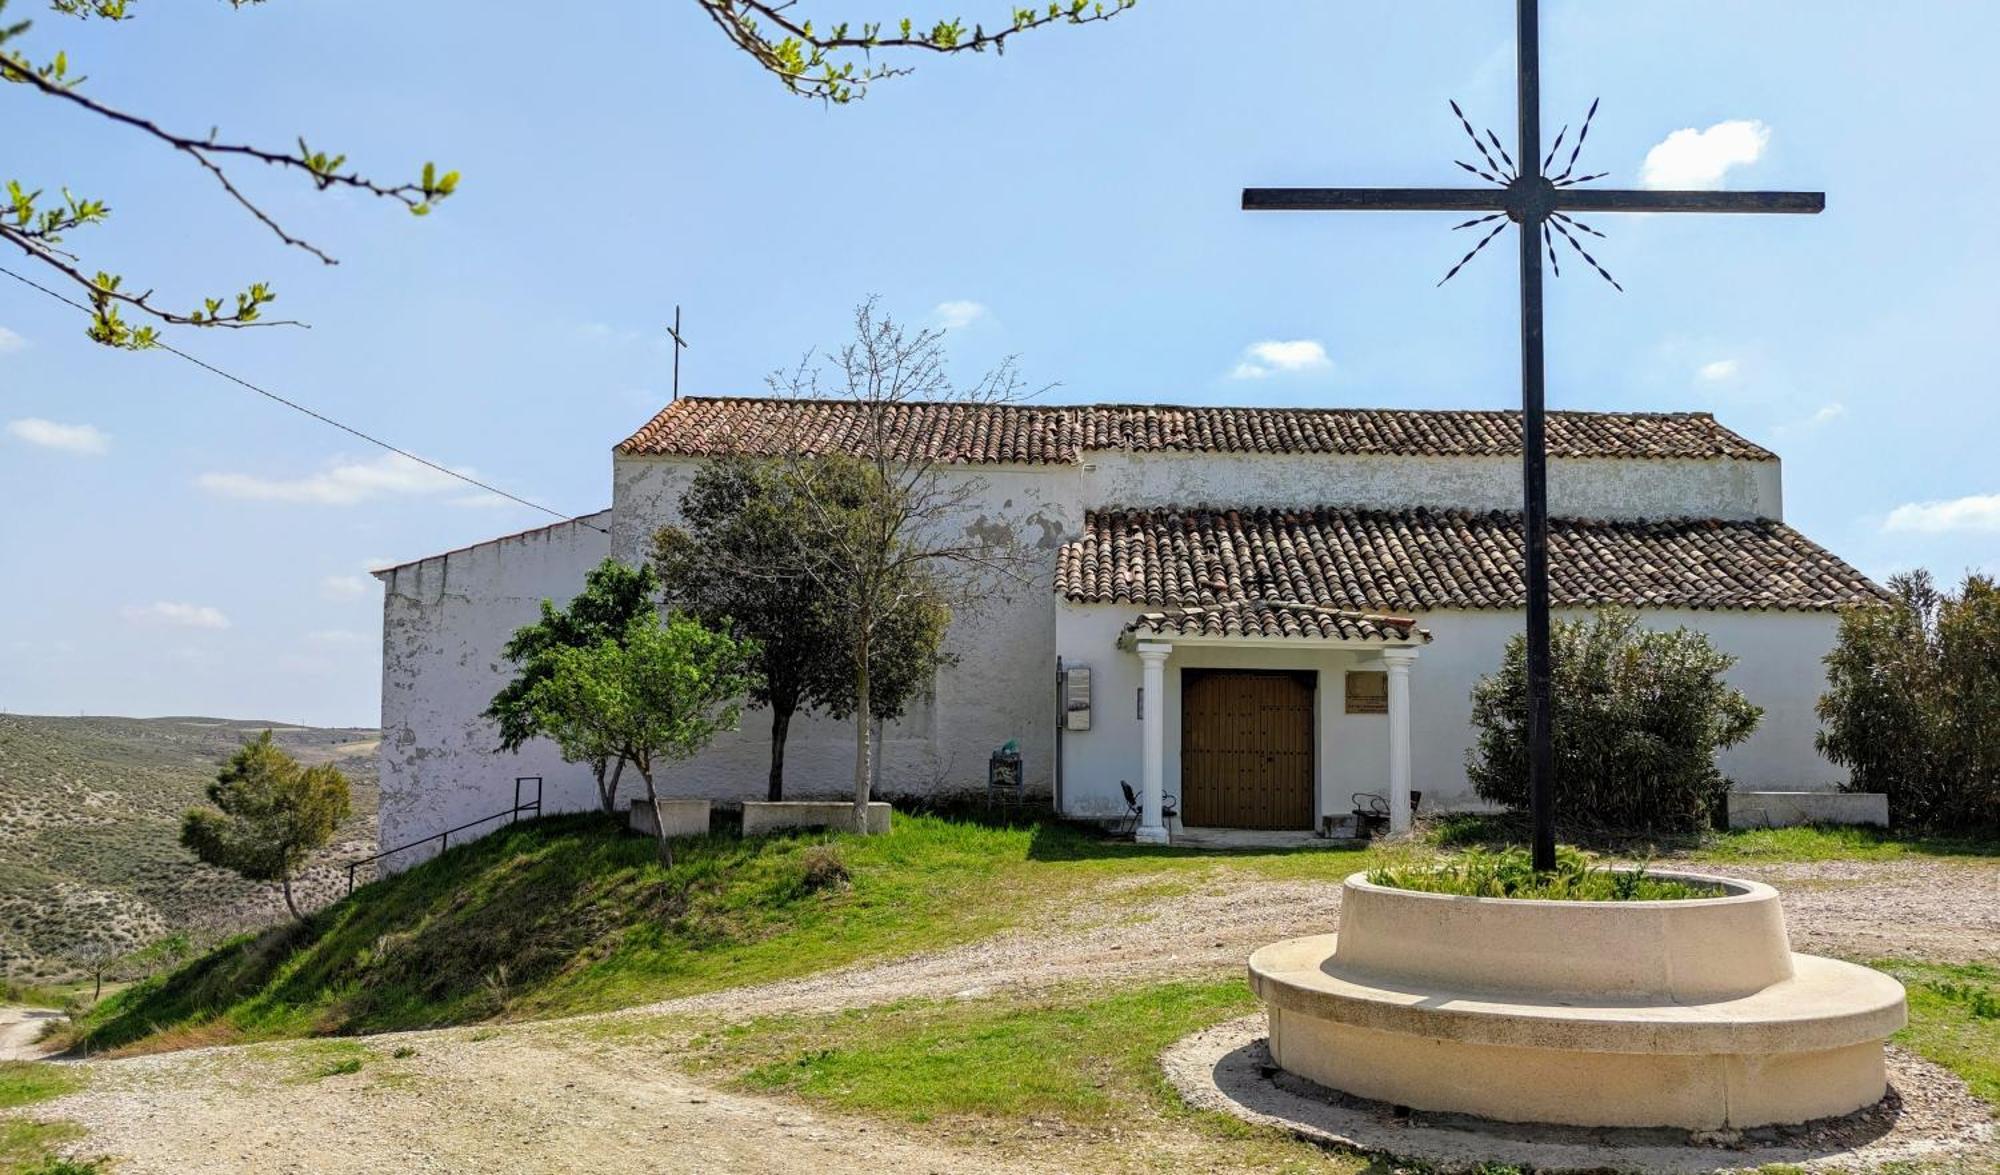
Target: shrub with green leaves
[
  {"x": 1639, "y": 716},
  {"x": 1479, "y": 873},
  {"x": 1912, "y": 706}
]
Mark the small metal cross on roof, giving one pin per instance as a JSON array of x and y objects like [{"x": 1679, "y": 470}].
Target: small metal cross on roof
[
  {"x": 680, "y": 344},
  {"x": 1528, "y": 196}
]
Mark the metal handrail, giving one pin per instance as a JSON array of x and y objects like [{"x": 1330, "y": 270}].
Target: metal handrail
[{"x": 444, "y": 838}]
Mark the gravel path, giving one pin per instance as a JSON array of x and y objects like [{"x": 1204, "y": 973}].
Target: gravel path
[
  {"x": 521, "y": 1098},
  {"x": 21, "y": 1030}
]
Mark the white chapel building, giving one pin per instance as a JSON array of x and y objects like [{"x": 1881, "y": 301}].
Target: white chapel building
[{"x": 1259, "y": 611}]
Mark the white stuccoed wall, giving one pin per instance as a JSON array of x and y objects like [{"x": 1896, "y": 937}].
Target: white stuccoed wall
[
  {"x": 1003, "y": 686},
  {"x": 1578, "y": 488},
  {"x": 1778, "y": 668},
  {"x": 444, "y": 620}
]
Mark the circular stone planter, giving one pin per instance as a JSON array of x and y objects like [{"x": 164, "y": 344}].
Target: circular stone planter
[{"x": 1690, "y": 1013}]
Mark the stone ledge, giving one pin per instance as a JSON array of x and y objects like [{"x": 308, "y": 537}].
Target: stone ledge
[
  {"x": 683, "y": 817},
  {"x": 1784, "y": 809},
  {"x": 767, "y": 816},
  {"x": 1827, "y": 1004}
]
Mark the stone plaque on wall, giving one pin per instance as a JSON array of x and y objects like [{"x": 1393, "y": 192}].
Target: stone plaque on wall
[{"x": 1367, "y": 692}]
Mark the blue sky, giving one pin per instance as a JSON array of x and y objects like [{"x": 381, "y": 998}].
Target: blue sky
[{"x": 175, "y": 545}]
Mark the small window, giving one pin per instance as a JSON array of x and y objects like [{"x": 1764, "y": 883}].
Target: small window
[{"x": 1367, "y": 692}]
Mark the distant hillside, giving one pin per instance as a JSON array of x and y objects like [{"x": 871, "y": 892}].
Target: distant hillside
[{"x": 90, "y": 814}]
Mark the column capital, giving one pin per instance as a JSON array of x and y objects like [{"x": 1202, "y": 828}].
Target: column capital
[
  {"x": 1153, "y": 650},
  {"x": 1399, "y": 658}
]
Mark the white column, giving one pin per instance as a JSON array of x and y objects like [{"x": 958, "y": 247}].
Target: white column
[
  {"x": 1398, "y": 662},
  {"x": 1152, "y": 741}
]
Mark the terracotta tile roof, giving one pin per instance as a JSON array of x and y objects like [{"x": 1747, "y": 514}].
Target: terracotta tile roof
[
  {"x": 1419, "y": 560},
  {"x": 1274, "y": 619},
  {"x": 1037, "y": 434}
]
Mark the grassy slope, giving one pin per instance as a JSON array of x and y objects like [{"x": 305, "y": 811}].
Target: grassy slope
[
  {"x": 570, "y": 915},
  {"x": 89, "y": 822}
]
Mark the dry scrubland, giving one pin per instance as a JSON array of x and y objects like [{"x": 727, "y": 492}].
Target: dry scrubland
[{"x": 90, "y": 813}]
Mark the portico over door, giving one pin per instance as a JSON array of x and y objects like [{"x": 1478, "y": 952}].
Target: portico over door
[{"x": 1246, "y": 749}]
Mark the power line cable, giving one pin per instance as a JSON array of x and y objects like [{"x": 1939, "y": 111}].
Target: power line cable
[{"x": 320, "y": 416}]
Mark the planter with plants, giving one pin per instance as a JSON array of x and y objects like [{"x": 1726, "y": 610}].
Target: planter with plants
[{"x": 1588, "y": 996}]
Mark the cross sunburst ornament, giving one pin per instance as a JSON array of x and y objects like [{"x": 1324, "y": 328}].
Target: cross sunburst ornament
[{"x": 1559, "y": 222}]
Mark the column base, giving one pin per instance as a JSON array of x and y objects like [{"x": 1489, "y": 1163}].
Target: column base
[{"x": 1149, "y": 836}]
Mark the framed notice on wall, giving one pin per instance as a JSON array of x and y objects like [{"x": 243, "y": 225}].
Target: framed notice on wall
[{"x": 1367, "y": 692}]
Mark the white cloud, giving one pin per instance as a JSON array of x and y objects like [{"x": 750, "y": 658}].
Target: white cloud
[
  {"x": 1718, "y": 371},
  {"x": 10, "y": 341},
  {"x": 344, "y": 587},
  {"x": 177, "y": 615},
  {"x": 1828, "y": 413},
  {"x": 1690, "y": 159},
  {"x": 960, "y": 314},
  {"x": 1276, "y": 356},
  {"x": 70, "y": 438},
  {"x": 343, "y": 483},
  {"x": 1978, "y": 513}
]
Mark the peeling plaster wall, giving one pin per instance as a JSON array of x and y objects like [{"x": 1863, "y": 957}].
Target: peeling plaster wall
[
  {"x": 1578, "y": 488},
  {"x": 1002, "y": 686},
  {"x": 1778, "y": 668},
  {"x": 444, "y": 620}
]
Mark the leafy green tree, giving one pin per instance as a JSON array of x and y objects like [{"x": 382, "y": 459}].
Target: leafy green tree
[
  {"x": 741, "y": 561},
  {"x": 1639, "y": 716},
  {"x": 613, "y": 596},
  {"x": 832, "y": 61},
  {"x": 1912, "y": 706},
  {"x": 656, "y": 694},
  {"x": 267, "y": 814}
]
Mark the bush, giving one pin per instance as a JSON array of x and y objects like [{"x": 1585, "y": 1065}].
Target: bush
[
  {"x": 1478, "y": 873},
  {"x": 1638, "y": 718},
  {"x": 1912, "y": 706}
]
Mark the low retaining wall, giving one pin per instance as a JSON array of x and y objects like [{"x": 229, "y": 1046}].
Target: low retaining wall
[
  {"x": 762, "y": 816},
  {"x": 682, "y": 817},
  {"x": 1783, "y": 809}
]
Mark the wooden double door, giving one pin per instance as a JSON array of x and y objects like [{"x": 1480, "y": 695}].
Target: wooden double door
[{"x": 1246, "y": 749}]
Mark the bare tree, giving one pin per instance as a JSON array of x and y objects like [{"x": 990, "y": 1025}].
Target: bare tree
[{"x": 893, "y": 524}]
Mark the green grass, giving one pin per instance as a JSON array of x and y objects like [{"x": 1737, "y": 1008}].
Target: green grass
[
  {"x": 1081, "y": 1065},
  {"x": 571, "y": 915},
  {"x": 28, "y": 1146},
  {"x": 1954, "y": 1020},
  {"x": 1081, "y": 1062},
  {"x": 1804, "y": 843},
  {"x": 24, "y": 1083}
]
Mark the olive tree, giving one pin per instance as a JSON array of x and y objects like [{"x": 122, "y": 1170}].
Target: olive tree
[
  {"x": 656, "y": 694},
  {"x": 267, "y": 814}
]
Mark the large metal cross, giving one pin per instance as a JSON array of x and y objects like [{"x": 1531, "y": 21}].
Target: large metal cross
[{"x": 1533, "y": 201}]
